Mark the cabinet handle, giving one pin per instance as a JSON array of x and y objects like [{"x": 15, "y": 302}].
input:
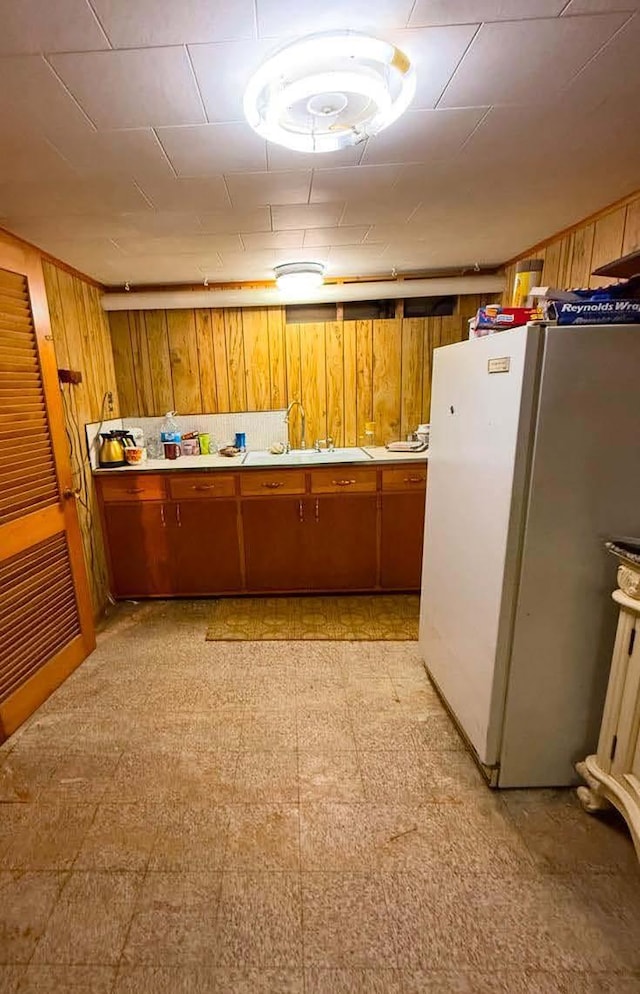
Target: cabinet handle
[
  {"x": 343, "y": 483},
  {"x": 135, "y": 490},
  {"x": 317, "y": 510},
  {"x": 413, "y": 479},
  {"x": 301, "y": 511},
  {"x": 204, "y": 486},
  {"x": 164, "y": 523},
  {"x": 273, "y": 486},
  {"x": 178, "y": 518}
]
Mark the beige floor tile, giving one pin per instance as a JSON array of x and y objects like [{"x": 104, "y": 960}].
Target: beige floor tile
[
  {"x": 338, "y": 837},
  {"x": 347, "y": 981},
  {"x": 89, "y": 923},
  {"x": 9, "y": 978},
  {"x": 259, "y": 922},
  {"x": 190, "y": 837},
  {"x": 188, "y": 776},
  {"x": 382, "y": 729},
  {"x": 120, "y": 837},
  {"x": 263, "y": 837},
  {"x": 26, "y": 901},
  {"x": 24, "y": 773},
  {"x": 45, "y": 836},
  {"x": 346, "y": 923},
  {"x": 436, "y": 732},
  {"x": 266, "y": 777},
  {"x": 393, "y": 777},
  {"x": 331, "y": 776},
  {"x": 517, "y": 982},
  {"x": 81, "y": 776},
  {"x": 68, "y": 980},
  {"x": 174, "y": 920},
  {"x": 206, "y": 980},
  {"x": 450, "y": 775},
  {"x": 563, "y": 837},
  {"x": 325, "y": 730},
  {"x": 265, "y": 730}
]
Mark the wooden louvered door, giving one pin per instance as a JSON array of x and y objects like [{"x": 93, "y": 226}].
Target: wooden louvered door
[{"x": 46, "y": 624}]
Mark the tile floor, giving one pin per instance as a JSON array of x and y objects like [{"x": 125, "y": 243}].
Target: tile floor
[{"x": 191, "y": 817}]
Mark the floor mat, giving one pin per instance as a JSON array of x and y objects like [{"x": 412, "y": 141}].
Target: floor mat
[{"x": 362, "y": 618}]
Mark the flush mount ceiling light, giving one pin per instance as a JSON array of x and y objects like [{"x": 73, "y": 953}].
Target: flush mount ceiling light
[
  {"x": 329, "y": 91},
  {"x": 293, "y": 277}
]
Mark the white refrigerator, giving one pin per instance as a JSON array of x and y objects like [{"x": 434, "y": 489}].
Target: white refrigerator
[{"x": 534, "y": 461}]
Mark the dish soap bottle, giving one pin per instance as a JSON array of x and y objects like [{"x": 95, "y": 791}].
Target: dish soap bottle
[{"x": 170, "y": 436}]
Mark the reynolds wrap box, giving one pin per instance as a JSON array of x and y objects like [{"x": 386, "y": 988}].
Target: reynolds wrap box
[{"x": 599, "y": 312}]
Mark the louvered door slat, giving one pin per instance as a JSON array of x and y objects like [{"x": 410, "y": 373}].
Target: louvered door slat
[{"x": 41, "y": 612}]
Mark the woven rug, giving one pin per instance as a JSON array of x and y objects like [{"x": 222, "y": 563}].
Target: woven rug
[{"x": 362, "y": 618}]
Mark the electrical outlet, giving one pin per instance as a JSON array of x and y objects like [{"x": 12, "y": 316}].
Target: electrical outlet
[{"x": 73, "y": 376}]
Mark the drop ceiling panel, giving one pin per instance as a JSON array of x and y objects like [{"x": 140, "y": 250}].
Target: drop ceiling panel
[
  {"x": 32, "y": 159},
  {"x": 536, "y": 59},
  {"x": 306, "y": 215},
  {"x": 290, "y": 239},
  {"x": 136, "y": 153},
  {"x": 435, "y": 52},
  {"x": 202, "y": 149},
  {"x": 431, "y": 12},
  {"x": 394, "y": 209},
  {"x": 255, "y": 219},
  {"x": 33, "y": 100},
  {"x": 64, "y": 26},
  {"x": 422, "y": 135},
  {"x": 285, "y": 158},
  {"x": 355, "y": 183},
  {"x": 149, "y": 22},
  {"x": 223, "y": 71},
  {"x": 72, "y": 197},
  {"x": 335, "y": 236},
  {"x": 191, "y": 195},
  {"x": 599, "y": 6},
  {"x": 201, "y": 245},
  {"x": 133, "y": 89},
  {"x": 283, "y": 18},
  {"x": 253, "y": 189}
]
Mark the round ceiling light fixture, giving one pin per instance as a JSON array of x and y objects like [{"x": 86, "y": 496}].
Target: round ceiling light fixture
[
  {"x": 293, "y": 277},
  {"x": 329, "y": 91}
]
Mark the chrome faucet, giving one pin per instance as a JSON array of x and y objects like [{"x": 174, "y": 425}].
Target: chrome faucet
[
  {"x": 303, "y": 424},
  {"x": 328, "y": 442}
]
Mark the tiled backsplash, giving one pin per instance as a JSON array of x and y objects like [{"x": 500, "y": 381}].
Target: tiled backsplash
[{"x": 262, "y": 428}]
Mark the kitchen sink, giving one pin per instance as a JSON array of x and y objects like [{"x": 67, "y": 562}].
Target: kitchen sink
[{"x": 306, "y": 457}]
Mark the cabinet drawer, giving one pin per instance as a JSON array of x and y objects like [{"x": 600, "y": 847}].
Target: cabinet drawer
[
  {"x": 405, "y": 478},
  {"x": 127, "y": 487},
  {"x": 343, "y": 479},
  {"x": 199, "y": 486},
  {"x": 276, "y": 482}
]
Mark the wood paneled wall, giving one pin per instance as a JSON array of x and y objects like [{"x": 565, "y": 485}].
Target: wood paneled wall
[
  {"x": 344, "y": 372},
  {"x": 571, "y": 256},
  {"x": 81, "y": 337}
]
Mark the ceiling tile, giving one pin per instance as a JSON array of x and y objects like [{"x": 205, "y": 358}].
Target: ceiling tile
[
  {"x": 31, "y": 159},
  {"x": 599, "y": 6},
  {"x": 334, "y": 236},
  {"x": 614, "y": 73},
  {"x": 190, "y": 195},
  {"x": 252, "y": 189},
  {"x": 396, "y": 210},
  {"x": 361, "y": 261},
  {"x": 202, "y": 149},
  {"x": 353, "y": 183},
  {"x": 272, "y": 239},
  {"x": 430, "y": 12},
  {"x": 205, "y": 245},
  {"x": 45, "y": 199},
  {"x": 435, "y": 52},
  {"x": 282, "y": 18},
  {"x": 147, "y": 269},
  {"x": 136, "y": 153},
  {"x": 156, "y": 224},
  {"x": 64, "y": 26},
  {"x": 133, "y": 89},
  {"x": 386, "y": 234},
  {"x": 279, "y": 157},
  {"x": 306, "y": 215},
  {"x": 148, "y": 23},
  {"x": 223, "y": 71},
  {"x": 521, "y": 74},
  {"x": 254, "y": 219},
  {"x": 422, "y": 135},
  {"x": 32, "y": 99}
]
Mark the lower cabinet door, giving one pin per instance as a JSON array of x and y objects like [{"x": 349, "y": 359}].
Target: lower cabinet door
[
  {"x": 342, "y": 542},
  {"x": 204, "y": 547},
  {"x": 275, "y": 543},
  {"x": 137, "y": 539},
  {"x": 401, "y": 542}
]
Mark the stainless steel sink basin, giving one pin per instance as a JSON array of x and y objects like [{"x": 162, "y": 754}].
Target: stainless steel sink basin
[{"x": 306, "y": 457}]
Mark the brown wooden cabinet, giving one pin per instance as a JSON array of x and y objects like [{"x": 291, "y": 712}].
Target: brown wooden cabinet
[
  {"x": 204, "y": 547},
  {"x": 136, "y": 537},
  {"x": 402, "y": 526},
  {"x": 341, "y": 542},
  {"x": 275, "y": 544}
]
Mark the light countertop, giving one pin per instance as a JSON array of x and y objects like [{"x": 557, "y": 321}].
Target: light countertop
[{"x": 378, "y": 456}]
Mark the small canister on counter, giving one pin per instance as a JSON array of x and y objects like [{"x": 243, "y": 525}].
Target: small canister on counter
[
  {"x": 204, "y": 440},
  {"x": 190, "y": 444},
  {"x": 241, "y": 441}
]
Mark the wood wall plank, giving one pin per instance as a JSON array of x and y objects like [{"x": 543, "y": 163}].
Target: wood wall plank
[
  {"x": 255, "y": 333},
  {"x": 220, "y": 355},
  {"x": 387, "y": 375},
  {"x": 631, "y": 241},
  {"x": 294, "y": 382},
  {"x": 364, "y": 376},
  {"x": 185, "y": 372},
  {"x": 432, "y": 336},
  {"x": 350, "y": 383},
  {"x": 155, "y": 323},
  {"x": 412, "y": 353},
  {"x": 141, "y": 362},
  {"x": 334, "y": 346},
  {"x": 235, "y": 360},
  {"x": 123, "y": 362},
  {"x": 608, "y": 239},
  {"x": 277, "y": 357},
  {"x": 314, "y": 379},
  {"x": 206, "y": 360}
]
